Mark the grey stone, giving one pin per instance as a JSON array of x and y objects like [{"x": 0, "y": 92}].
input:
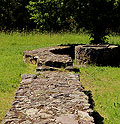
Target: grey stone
[
  {"x": 31, "y": 111},
  {"x": 85, "y": 116},
  {"x": 26, "y": 122},
  {"x": 98, "y": 55},
  {"x": 44, "y": 115},
  {"x": 48, "y": 57},
  {"x": 45, "y": 68},
  {"x": 26, "y": 76},
  {"x": 66, "y": 119}
]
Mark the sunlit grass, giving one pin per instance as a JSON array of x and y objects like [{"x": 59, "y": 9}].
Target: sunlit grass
[
  {"x": 114, "y": 39},
  {"x": 104, "y": 82}
]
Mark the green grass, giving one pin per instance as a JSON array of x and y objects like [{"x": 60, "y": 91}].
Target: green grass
[
  {"x": 102, "y": 81},
  {"x": 114, "y": 39}
]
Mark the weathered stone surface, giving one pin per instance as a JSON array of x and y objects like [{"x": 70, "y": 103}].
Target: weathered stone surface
[
  {"x": 49, "y": 56},
  {"x": 26, "y": 76},
  {"x": 98, "y": 55},
  {"x": 67, "y": 119},
  {"x": 54, "y": 97}
]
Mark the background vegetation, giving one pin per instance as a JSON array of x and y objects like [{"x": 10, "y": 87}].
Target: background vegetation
[{"x": 98, "y": 17}]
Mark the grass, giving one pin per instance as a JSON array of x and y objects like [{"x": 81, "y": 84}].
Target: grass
[{"x": 102, "y": 81}]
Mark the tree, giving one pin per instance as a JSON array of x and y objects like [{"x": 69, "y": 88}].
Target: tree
[
  {"x": 96, "y": 16},
  {"x": 14, "y": 15},
  {"x": 116, "y": 17},
  {"x": 50, "y": 14}
]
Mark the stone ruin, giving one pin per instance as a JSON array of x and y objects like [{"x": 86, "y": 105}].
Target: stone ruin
[
  {"x": 50, "y": 56},
  {"x": 101, "y": 55},
  {"x": 63, "y": 56},
  {"x": 53, "y": 95}
]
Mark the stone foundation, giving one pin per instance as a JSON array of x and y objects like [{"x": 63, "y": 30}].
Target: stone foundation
[
  {"x": 59, "y": 56},
  {"x": 50, "y": 98},
  {"x": 54, "y": 95},
  {"x": 98, "y": 54}
]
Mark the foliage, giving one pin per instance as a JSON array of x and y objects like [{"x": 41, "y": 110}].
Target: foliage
[
  {"x": 50, "y": 15},
  {"x": 14, "y": 15},
  {"x": 96, "y": 16}
]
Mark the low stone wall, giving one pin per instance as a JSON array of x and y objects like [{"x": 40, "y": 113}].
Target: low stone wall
[
  {"x": 52, "y": 95},
  {"x": 50, "y": 56},
  {"x": 98, "y": 55},
  {"x": 50, "y": 98}
]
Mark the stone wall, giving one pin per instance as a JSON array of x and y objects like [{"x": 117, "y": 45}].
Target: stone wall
[
  {"x": 50, "y": 98},
  {"x": 59, "y": 56},
  {"x": 98, "y": 54},
  {"x": 52, "y": 95}
]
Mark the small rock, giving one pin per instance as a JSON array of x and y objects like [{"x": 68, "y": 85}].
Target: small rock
[
  {"x": 44, "y": 115},
  {"x": 85, "y": 116},
  {"x": 26, "y": 76},
  {"x": 45, "y": 68},
  {"x": 26, "y": 122},
  {"x": 31, "y": 111},
  {"x": 66, "y": 119}
]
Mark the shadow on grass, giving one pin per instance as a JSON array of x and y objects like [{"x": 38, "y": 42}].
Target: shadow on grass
[{"x": 98, "y": 119}]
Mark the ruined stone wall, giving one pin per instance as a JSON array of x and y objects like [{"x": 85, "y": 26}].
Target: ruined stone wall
[
  {"x": 52, "y": 95},
  {"x": 50, "y": 56},
  {"x": 98, "y": 54},
  {"x": 50, "y": 98}
]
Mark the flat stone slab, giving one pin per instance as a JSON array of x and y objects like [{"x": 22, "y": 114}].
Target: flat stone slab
[
  {"x": 53, "y": 97},
  {"x": 50, "y": 56}
]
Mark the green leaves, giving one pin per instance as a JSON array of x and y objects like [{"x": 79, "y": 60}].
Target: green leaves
[
  {"x": 96, "y": 16},
  {"x": 52, "y": 15},
  {"x": 14, "y": 15}
]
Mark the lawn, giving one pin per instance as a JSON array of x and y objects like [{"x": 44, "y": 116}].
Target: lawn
[{"x": 104, "y": 82}]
